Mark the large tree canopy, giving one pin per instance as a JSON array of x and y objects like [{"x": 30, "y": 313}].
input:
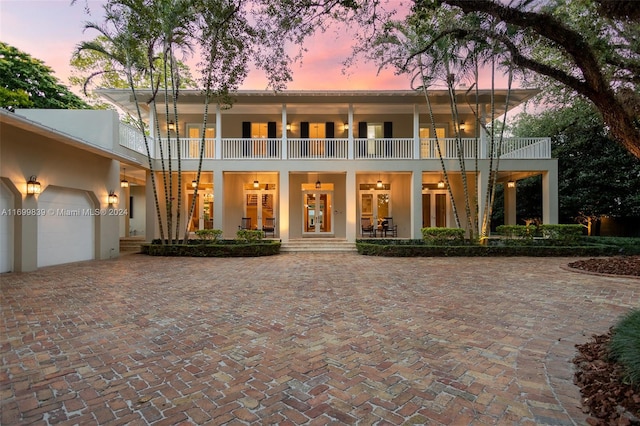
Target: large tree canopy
[
  {"x": 596, "y": 177},
  {"x": 590, "y": 47},
  {"x": 27, "y": 82}
]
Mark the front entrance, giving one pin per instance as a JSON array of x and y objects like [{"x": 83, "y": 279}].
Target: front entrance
[
  {"x": 317, "y": 218},
  {"x": 434, "y": 208},
  {"x": 203, "y": 212},
  {"x": 375, "y": 203},
  {"x": 259, "y": 204}
]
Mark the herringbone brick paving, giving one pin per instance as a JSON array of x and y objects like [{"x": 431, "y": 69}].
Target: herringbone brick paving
[{"x": 300, "y": 339}]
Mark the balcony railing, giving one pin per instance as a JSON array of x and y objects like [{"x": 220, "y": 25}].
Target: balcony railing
[{"x": 336, "y": 149}]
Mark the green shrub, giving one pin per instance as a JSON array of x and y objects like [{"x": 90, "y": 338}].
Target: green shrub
[
  {"x": 443, "y": 236},
  {"x": 209, "y": 234},
  {"x": 626, "y": 245},
  {"x": 563, "y": 234},
  {"x": 249, "y": 235},
  {"x": 526, "y": 232},
  {"x": 624, "y": 346},
  {"x": 223, "y": 248}
]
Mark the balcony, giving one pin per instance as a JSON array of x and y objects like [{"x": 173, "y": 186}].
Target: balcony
[{"x": 334, "y": 149}]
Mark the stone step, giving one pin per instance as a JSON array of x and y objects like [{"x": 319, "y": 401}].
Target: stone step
[
  {"x": 317, "y": 245},
  {"x": 131, "y": 244}
]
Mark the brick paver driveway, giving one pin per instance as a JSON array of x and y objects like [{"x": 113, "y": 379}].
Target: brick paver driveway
[{"x": 300, "y": 339}]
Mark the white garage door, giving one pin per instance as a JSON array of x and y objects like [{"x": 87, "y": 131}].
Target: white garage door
[
  {"x": 6, "y": 229},
  {"x": 66, "y": 233}
]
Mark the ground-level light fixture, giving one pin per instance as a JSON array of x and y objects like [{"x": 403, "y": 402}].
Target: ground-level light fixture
[{"x": 33, "y": 186}]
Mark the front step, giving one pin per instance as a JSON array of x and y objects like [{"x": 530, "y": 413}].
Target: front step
[
  {"x": 131, "y": 244},
  {"x": 325, "y": 245}
]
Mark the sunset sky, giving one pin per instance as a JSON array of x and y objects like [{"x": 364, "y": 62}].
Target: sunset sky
[{"x": 49, "y": 30}]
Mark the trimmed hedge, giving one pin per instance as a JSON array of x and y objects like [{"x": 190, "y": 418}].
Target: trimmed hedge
[
  {"x": 443, "y": 236},
  {"x": 624, "y": 344},
  {"x": 222, "y": 248},
  {"x": 418, "y": 249}
]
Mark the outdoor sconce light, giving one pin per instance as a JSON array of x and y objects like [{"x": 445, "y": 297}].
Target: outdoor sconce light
[
  {"x": 379, "y": 184},
  {"x": 194, "y": 184},
  {"x": 511, "y": 184},
  {"x": 289, "y": 126},
  {"x": 112, "y": 198},
  {"x": 346, "y": 126},
  {"x": 124, "y": 183},
  {"x": 172, "y": 126},
  {"x": 462, "y": 126},
  {"x": 256, "y": 184},
  {"x": 33, "y": 186},
  {"x": 441, "y": 184}
]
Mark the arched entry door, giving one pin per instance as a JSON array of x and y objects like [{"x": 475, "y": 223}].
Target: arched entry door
[{"x": 317, "y": 217}]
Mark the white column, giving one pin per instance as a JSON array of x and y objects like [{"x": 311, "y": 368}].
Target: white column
[
  {"x": 351, "y": 216},
  {"x": 350, "y": 144},
  {"x": 550, "y": 214},
  {"x": 416, "y": 133},
  {"x": 218, "y": 148},
  {"x": 284, "y": 131},
  {"x": 416, "y": 205},
  {"x": 284, "y": 208},
  {"x": 218, "y": 199}
]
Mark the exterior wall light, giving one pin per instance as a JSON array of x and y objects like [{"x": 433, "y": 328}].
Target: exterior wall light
[
  {"x": 256, "y": 184},
  {"x": 441, "y": 184},
  {"x": 346, "y": 126},
  {"x": 112, "y": 198},
  {"x": 379, "y": 184},
  {"x": 194, "y": 184},
  {"x": 172, "y": 126},
  {"x": 289, "y": 126},
  {"x": 33, "y": 186},
  {"x": 511, "y": 184},
  {"x": 463, "y": 126},
  {"x": 124, "y": 183}
]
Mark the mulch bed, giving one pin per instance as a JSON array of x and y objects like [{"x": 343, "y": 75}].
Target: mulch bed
[{"x": 605, "y": 397}]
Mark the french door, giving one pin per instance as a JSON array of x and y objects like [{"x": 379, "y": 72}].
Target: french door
[
  {"x": 259, "y": 205},
  {"x": 435, "y": 209},
  {"x": 375, "y": 204},
  {"x": 203, "y": 212},
  {"x": 317, "y": 218}
]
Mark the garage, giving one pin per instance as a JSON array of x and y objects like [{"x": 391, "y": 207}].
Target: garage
[
  {"x": 66, "y": 233},
  {"x": 6, "y": 229}
]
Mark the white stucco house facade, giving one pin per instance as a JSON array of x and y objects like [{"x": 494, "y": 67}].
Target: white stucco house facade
[{"x": 313, "y": 162}]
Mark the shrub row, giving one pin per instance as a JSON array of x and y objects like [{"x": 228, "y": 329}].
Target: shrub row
[
  {"x": 567, "y": 234},
  {"x": 375, "y": 248},
  {"x": 222, "y": 248},
  {"x": 624, "y": 344}
]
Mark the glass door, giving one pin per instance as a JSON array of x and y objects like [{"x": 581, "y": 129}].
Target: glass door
[
  {"x": 317, "y": 218},
  {"x": 434, "y": 209},
  {"x": 259, "y": 205},
  {"x": 375, "y": 204},
  {"x": 203, "y": 212}
]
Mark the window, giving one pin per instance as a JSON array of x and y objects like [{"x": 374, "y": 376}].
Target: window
[
  {"x": 259, "y": 130},
  {"x": 317, "y": 130},
  {"x": 193, "y": 147},
  {"x": 428, "y": 148}
]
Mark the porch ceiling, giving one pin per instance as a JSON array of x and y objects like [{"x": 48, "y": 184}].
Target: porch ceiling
[{"x": 326, "y": 102}]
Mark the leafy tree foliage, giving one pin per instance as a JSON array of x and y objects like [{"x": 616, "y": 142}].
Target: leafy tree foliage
[
  {"x": 589, "y": 47},
  {"x": 28, "y": 83},
  {"x": 90, "y": 69},
  {"x": 596, "y": 177}
]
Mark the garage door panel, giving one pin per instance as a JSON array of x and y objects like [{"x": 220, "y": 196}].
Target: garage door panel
[{"x": 66, "y": 233}]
